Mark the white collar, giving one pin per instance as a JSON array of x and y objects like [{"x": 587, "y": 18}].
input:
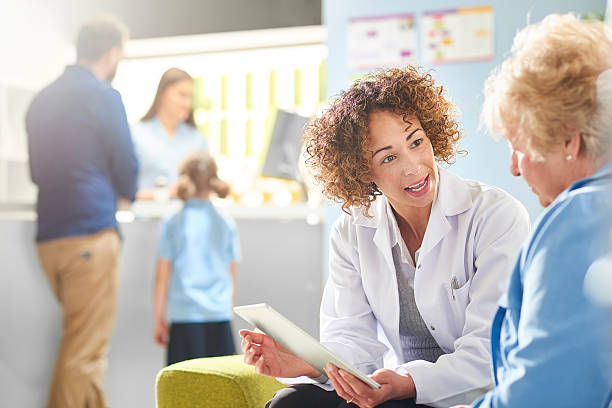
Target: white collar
[
  {"x": 395, "y": 236},
  {"x": 453, "y": 197}
]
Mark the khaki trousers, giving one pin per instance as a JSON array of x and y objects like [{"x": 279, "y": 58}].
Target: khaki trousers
[{"x": 83, "y": 273}]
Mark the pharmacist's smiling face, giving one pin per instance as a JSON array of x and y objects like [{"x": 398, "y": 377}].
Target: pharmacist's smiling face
[{"x": 403, "y": 166}]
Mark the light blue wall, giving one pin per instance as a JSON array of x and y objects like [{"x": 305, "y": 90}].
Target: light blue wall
[{"x": 487, "y": 160}]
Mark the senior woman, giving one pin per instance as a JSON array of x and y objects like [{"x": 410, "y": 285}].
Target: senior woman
[
  {"x": 417, "y": 263},
  {"x": 552, "y": 100}
]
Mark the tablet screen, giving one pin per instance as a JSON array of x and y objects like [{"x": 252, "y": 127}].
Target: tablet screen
[{"x": 296, "y": 340}]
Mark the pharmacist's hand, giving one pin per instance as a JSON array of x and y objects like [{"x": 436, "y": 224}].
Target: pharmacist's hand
[
  {"x": 272, "y": 359},
  {"x": 161, "y": 332},
  {"x": 393, "y": 386}
]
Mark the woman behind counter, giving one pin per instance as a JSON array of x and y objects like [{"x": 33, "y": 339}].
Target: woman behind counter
[{"x": 165, "y": 135}]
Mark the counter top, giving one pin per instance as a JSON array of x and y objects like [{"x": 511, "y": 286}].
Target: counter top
[{"x": 155, "y": 210}]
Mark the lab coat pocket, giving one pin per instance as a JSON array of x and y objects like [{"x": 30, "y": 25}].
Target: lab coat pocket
[
  {"x": 459, "y": 294},
  {"x": 458, "y": 297}
]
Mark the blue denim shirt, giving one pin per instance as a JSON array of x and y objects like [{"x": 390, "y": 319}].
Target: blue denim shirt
[
  {"x": 159, "y": 154},
  {"x": 544, "y": 341},
  {"x": 81, "y": 154}
]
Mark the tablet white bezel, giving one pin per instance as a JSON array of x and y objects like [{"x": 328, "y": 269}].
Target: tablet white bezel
[{"x": 296, "y": 340}]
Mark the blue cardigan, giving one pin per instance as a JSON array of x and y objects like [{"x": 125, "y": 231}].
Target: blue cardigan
[{"x": 545, "y": 335}]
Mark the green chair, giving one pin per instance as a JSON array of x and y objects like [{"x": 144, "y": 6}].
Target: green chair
[{"x": 215, "y": 382}]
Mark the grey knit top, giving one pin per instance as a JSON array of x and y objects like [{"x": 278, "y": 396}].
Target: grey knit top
[{"x": 417, "y": 341}]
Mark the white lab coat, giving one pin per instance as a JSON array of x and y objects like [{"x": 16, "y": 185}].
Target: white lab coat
[{"x": 474, "y": 234}]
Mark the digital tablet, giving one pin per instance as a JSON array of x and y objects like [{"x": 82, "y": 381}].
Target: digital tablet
[{"x": 296, "y": 340}]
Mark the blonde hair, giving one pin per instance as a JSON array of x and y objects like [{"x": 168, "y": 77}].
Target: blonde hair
[
  {"x": 549, "y": 85},
  {"x": 198, "y": 175}
]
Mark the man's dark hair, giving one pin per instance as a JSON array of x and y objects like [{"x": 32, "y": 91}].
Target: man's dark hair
[{"x": 99, "y": 35}]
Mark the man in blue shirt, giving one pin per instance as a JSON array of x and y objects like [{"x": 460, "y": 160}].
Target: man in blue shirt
[{"x": 83, "y": 161}]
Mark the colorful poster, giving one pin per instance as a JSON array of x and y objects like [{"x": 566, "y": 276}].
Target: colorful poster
[
  {"x": 384, "y": 41},
  {"x": 458, "y": 35}
]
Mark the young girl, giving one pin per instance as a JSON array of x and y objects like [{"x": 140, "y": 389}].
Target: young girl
[{"x": 196, "y": 269}]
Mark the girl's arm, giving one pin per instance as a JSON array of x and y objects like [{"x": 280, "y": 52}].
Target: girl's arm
[
  {"x": 232, "y": 270},
  {"x": 160, "y": 298}
]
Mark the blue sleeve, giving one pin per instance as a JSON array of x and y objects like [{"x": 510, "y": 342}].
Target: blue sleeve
[
  {"x": 478, "y": 403},
  {"x": 123, "y": 161},
  {"x": 204, "y": 142},
  {"x": 164, "y": 244},
  {"x": 234, "y": 252},
  {"x": 199, "y": 136},
  {"x": 29, "y": 124},
  {"x": 552, "y": 362}
]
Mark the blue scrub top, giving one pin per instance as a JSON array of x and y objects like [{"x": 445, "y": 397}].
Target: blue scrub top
[
  {"x": 201, "y": 243},
  {"x": 546, "y": 333},
  {"x": 159, "y": 154}
]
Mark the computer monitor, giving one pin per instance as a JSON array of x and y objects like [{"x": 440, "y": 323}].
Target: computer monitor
[{"x": 285, "y": 146}]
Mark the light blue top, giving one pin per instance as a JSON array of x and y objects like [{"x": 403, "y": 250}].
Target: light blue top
[
  {"x": 598, "y": 287},
  {"x": 545, "y": 335},
  {"x": 159, "y": 155},
  {"x": 201, "y": 243}
]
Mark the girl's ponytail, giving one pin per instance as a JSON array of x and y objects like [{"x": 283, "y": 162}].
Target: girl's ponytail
[
  {"x": 185, "y": 187},
  {"x": 220, "y": 187},
  {"x": 198, "y": 175}
]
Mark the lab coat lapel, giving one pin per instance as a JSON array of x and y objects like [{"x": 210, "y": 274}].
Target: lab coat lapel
[
  {"x": 382, "y": 237},
  {"x": 380, "y": 222},
  {"x": 385, "y": 296},
  {"x": 386, "y": 284},
  {"x": 437, "y": 227},
  {"x": 453, "y": 197}
]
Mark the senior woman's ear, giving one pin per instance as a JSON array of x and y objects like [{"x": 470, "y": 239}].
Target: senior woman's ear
[{"x": 573, "y": 143}]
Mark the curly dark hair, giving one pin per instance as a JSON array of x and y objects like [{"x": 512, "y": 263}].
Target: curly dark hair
[{"x": 337, "y": 150}]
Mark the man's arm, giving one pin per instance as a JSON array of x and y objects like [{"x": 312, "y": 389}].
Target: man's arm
[{"x": 123, "y": 162}]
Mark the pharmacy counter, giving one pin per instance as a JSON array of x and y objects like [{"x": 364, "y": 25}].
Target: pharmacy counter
[{"x": 282, "y": 265}]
